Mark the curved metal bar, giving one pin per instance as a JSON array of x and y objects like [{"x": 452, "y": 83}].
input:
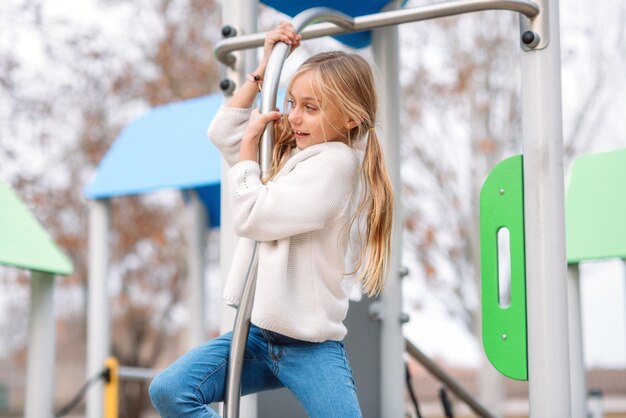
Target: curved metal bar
[
  {"x": 275, "y": 67},
  {"x": 394, "y": 17},
  {"x": 268, "y": 103},
  {"x": 240, "y": 339}
]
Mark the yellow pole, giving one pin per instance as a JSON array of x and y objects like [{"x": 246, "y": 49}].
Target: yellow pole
[{"x": 111, "y": 389}]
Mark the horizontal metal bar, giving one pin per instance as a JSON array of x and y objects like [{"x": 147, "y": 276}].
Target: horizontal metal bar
[
  {"x": 136, "y": 373},
  {"x": 447, "y": 380},
  {"x": 377, "y": 20}
]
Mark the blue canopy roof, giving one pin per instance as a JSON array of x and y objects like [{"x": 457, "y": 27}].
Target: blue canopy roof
[
  {"x": 349, "y": 7},
  {"x": 165, "y": 148}
]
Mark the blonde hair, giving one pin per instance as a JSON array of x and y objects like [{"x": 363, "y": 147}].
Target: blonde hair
[{"x": 346, "y": 83}]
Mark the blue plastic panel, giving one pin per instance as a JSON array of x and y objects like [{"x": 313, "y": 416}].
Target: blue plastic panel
[{"x": 166, "y": 148}]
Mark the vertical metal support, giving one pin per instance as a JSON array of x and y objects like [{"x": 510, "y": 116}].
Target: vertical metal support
[
  {"x": 548, "y": 353},
  {"x": 385, "y": 51},
  {"x": 241, "y": 14},
  {"x": 98, "y": 322},
  {"x": 196, "y": 248},
  {"x": 41, "y": 347},
  {"x": 576, "y": 351}
]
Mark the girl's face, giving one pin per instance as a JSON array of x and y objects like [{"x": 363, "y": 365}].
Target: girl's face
[{"x": 311, "y": 120}]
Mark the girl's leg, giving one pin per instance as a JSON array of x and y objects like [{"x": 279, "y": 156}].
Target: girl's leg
[
  {"x": 196, "y": 379},
  {"x": 320, "y": 377}
]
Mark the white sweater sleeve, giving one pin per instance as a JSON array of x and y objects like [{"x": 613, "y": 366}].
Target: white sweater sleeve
[
  {"x": 316, "y": 191},
  {"x": 226, "y": 131}
]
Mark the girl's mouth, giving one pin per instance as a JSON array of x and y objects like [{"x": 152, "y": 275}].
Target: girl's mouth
[{"x": 300, "y": 133}]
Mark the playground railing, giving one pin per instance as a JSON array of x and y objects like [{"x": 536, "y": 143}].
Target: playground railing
[{"x": 450, "y": 383}]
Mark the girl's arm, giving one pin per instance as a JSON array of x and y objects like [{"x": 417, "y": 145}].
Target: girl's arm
[
  {"x": 229, "y": 124},
  {"x": 305, "y": 199}
]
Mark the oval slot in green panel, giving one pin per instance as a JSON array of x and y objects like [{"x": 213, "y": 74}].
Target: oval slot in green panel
[
  {"x": 504, "y": 315},
  {"x": 504, "y": 268}
]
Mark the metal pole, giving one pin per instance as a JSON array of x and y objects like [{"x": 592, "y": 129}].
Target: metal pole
[
  {"x": 576, "y": 350},
  {"x": 544, "y": 214},
  {"x": 447, "y": 380},
  {"x": 268, "y": 103},
  {"x": 386, "y": 56},
  {"x": 136, "y": 373},
  {"x": 98, "y": 333},
  {"x": 377, "y": 20},
  {"x": 242, "y": 14},
  {"x": 196, "y": 247},
  {"x": 41, "y": 347}
]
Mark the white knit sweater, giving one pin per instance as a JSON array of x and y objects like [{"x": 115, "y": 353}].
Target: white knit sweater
[{"x": 300, "y": 218}]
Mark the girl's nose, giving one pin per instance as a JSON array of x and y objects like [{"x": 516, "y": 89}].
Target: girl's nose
[{"x": 294, "y": 117}]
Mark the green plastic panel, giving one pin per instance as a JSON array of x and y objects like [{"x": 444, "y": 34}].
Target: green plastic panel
[
  {"x": 23, "y": 241},
  {"x": 596, "y": 207},
  {"x": 504, "y": 328}
]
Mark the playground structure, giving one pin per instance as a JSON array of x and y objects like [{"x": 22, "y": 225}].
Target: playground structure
[
  {"x": 596, "y": 230},
  {"x": 546, "y": 300},
  {"x": 548, "y": 367},
  {"x": 547, "y": 347}
]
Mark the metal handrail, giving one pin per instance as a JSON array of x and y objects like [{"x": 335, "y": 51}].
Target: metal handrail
[
  {"x": 268, "y": 103},
  {"x": 136, "y": 373},
  {"x": 448, "y": 380},
  {"x": 377, "y": 20}
]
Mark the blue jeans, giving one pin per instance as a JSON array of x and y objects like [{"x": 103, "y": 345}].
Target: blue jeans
[{"x": 318, "y": 374}]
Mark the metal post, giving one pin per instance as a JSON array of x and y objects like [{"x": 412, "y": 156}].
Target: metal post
[
  {"x": 386, "y": 56},
  {"x": 576, "y": 348},
  {"x": 548, "y": 353},
  {"x": 196, "y": 248},
  {"x": 98, "y": 333},
  {"x": 242, "y": 14},
  {"x": 41, "y": 347},
  {"x": 239, "y": 14}
]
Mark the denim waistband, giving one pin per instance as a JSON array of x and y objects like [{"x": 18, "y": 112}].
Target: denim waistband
[{"x": 280, "y": 339}]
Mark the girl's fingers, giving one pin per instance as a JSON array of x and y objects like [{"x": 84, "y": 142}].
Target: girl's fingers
[
  {"x": 263, "y": 119},
  {"x": 270, "y": 116},
  {"x": 284, "y": 32},
  {"x": 297, "y": 40},
  {"x": 274, "y": 115}
]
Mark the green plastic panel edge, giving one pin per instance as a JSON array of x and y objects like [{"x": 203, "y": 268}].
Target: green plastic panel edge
[
  {"x": 595, "y": 204},
  {"x": 504, "y": 329},
  {"x": 23, "y": 241}
]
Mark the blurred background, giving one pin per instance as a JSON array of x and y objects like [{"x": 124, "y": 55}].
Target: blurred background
[{"x": 73, "y": 74}]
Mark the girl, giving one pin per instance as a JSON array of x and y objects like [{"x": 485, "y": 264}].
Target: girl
[{"x": 327, "y": 171}]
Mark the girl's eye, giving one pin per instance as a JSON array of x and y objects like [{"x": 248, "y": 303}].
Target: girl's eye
[
  {"x": 309, "y": 108},
  {"x": 289, "y": 106}
]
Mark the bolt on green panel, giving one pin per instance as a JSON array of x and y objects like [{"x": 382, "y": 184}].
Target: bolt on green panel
[{"x": 504, "y": 328}]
